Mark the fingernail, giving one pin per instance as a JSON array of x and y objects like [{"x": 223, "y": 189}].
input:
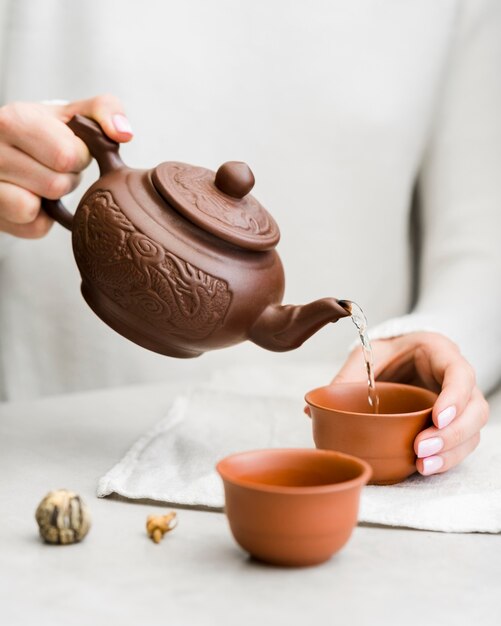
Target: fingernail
[
  {"x": 446, "y": 416},
  {"x": 432, "y": 464},
  {"x": 121, "y": 124},
  {"x": 430, "y": 446}
]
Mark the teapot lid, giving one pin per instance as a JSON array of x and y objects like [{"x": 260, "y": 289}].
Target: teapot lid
[{"x": 220, "y": 202}]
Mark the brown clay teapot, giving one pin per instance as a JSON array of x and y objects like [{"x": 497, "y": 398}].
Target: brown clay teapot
[{"x": 181, "y": 260}]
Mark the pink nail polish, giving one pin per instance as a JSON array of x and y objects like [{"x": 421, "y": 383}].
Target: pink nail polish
[
  {"x": 430, "y": 446},
  {"x": 446, "y": 416},
  {"x": 432, "y": 464},
  {"x": 121, "y": 123}
]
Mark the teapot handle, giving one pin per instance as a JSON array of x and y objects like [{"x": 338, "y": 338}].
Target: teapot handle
[
  {"x": 101, "y": 147},
  {"x": 58, "y": 212}
]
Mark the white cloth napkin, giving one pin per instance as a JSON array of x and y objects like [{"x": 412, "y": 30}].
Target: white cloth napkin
[{"x": 174, "y": 463}]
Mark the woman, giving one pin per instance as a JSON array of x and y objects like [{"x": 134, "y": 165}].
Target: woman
[{"x": 343, "y": 109}]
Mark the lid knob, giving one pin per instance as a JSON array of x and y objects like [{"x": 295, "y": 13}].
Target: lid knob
[{"x": 235, "y": 179}]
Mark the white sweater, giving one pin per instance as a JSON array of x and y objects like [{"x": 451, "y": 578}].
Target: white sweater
[{"x": 339, "y": 107}]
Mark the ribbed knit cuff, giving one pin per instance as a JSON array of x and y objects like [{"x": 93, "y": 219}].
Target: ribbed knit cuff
[
  {"x": 398, "y": 326},
  {"x": 55, "y": 102}
]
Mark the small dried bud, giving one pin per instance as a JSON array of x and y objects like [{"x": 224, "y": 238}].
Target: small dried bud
[{"x": 158, "y": 525}]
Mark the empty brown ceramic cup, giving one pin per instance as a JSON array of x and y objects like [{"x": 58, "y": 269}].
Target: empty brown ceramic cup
[
  {"x": 292, "y": 507},
  {"x": 343, "y": 420}
]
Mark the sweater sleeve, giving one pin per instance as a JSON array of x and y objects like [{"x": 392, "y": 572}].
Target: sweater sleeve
[
  {"x": 459, "y": 290},
  {"x": 6, "y": 7},
  {"x": 5, "y": 240},
  {"x": 5, "y": 10}
]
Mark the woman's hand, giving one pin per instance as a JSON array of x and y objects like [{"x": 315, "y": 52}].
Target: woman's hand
[
  {"x": 41, "y": 157},
  {"x": 432, "y": 361}
]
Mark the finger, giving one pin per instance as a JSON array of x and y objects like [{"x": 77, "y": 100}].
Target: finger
[
  {"x": 457, "y": 387},
  {"x": 353, "y": 370},
  {"x": 36, "y": 131},
  {"x": 18, "y": 205},
  {"x": 414, "y": 356},
  {"x": 107, "y": 111},
  {"x": 19, "y": 169},
  {"x": 441, "y": 463},
  {"x": 402, "y": 368},
  {"x": 432, "y": 440},
  {"x": 34, "y": 230}
]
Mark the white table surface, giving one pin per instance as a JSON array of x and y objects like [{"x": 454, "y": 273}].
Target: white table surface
[{"x": 197, "y": 575}]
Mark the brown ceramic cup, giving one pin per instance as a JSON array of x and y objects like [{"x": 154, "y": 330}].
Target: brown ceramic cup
[
  {"x": 292, "y": 507},
  {"x": 343, "y": 420}
]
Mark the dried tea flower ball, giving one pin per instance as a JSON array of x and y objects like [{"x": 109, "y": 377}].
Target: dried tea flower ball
[{"x": 62, "y": 517}]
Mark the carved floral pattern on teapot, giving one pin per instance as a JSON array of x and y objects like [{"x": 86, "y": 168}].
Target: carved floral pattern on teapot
[
  {"x": 197, "y": 186},
  {"x": 143, "y": 277}
]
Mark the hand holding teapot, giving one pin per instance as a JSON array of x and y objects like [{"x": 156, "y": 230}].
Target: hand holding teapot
[{"x": 181, "y": 260}]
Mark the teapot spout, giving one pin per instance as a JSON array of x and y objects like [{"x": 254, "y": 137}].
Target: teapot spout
[{"x": 286, "y": 327}]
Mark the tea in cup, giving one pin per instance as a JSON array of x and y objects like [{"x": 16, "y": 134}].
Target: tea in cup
[{"x": 343, "y": 420}]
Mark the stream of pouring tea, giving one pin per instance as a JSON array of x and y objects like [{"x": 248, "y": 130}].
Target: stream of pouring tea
[{"x": 360, "y": 321}]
